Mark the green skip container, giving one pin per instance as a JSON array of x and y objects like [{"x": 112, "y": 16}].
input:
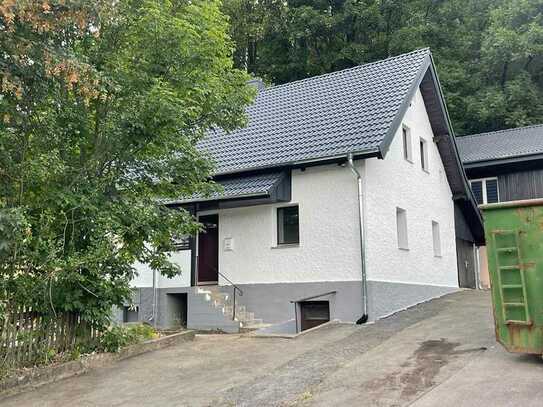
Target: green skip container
[{"x": 514, "y": 239}]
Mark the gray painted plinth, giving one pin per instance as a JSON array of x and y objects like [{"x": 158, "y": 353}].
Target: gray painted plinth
[
  {"x": 385, "y": 298},
  {"x": 200, "y": 314},
  {"x": 272, "y": 302}
]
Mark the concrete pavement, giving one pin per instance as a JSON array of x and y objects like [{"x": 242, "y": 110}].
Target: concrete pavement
[{"x": 438, "y": 353}]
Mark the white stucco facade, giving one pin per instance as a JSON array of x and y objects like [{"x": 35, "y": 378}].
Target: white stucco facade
[
  {"x": 425, "y": 196},
  {"x": 144, "y": 277},
  {"x": 329, "y": 248}
]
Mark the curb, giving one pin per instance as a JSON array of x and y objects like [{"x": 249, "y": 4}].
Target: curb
[
  {"x": 40, "y": 376},
  {"x": 292, "y": 336}
]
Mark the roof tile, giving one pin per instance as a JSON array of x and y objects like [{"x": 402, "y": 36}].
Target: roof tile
[
  {"x": 503, "y": 144},
  {"x": 348, "y": 111}
]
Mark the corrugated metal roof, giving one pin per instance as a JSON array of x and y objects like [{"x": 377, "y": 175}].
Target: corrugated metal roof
[
  {"x": 320, "y": 117},
  {"x": 503, "y": 144},
  {"x": 238, "y": 187}
]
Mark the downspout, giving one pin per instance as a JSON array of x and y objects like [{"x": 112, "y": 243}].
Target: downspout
[
  {"x": 361, "y": 217},
  {"x": 154, "y": 312}
]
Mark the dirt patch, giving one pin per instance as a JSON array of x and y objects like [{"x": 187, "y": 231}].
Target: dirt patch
[
  {"x": 425, "y": 364},
  {"x": 418, "y": 373}
]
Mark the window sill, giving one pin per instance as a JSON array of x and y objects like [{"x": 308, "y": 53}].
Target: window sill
[
  {"x": 426, "y": 171},
  {"x": 286, "y": 246},
  {"x": 438, "y": 256},
  {"x": 405, "y": 249}
]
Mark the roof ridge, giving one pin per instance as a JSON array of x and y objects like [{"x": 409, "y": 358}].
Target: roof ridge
[
  {"x": 501, "y": 131},
  {"x": 380, "y": 61}
]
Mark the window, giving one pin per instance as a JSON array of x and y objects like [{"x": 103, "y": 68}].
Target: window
[
  {"x": 181, "y": 243},
  {"x": 407, "y": 147},
  {"x": 401, "y": 225},
  {"x": 423, "y": 154},
  {"x": 485, "y": 190},
  {"x": 288, "y": 225},
  {"x": 491, "y": 190},
  {"x": 477, "y": 189},
  {"x": 436, "y": 238}
]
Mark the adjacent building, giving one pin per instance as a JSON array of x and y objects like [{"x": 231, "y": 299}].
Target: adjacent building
[
  {"x": 505, "y": 165},
  {"x": 343, "y": 198}
]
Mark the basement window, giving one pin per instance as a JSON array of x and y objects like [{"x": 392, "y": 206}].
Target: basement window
[
  {"x": 288, "y": 227},
  {"x": 407, "y": 144},
  {"x": 401, "y": 226},
  {"x": 436, "y": 239}
]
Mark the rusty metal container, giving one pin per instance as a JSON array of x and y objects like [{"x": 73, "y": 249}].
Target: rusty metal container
[{"x": 514, "y": 238}]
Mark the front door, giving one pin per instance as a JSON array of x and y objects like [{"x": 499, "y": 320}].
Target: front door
[{"x": 208, "y": 250}]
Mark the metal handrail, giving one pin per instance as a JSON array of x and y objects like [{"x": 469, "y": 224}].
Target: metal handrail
[
  {"x": 227, "y": 279},
  {"x": 314, "y": 296},
  {"x": 236, "y": 288}
]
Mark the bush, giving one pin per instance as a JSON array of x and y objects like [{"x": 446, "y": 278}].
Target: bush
[{"x": 118, "y": 337}]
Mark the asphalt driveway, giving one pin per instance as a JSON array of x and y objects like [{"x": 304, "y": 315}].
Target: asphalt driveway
[{"x": 438, "y": 353}]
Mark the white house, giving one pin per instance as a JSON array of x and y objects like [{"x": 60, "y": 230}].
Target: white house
[{"x": 343, "y": 198}]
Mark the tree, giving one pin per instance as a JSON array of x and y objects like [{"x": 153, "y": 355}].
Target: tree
[
  {"x": 512, "y": 66},
  {"x": 101, "y": 109},
  {"x": 488, "y": 52}
]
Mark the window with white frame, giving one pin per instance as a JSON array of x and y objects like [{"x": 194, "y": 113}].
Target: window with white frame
[
  {"x": 436, "y": 239},
  {"x": 407, "y": 144},
  {"x": 485, "y": 190},
  {"x": 423, "y": 154},
  {"x": 401, "y": 226}
]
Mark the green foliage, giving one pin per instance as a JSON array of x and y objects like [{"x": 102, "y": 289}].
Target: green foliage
[
  {"x": 118, "y": 337},
  {"x": 489, "y": 53},
  {"x": 101, "y": 106}
]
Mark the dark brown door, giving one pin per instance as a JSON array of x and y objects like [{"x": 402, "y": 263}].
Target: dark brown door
[
  {"x": 466, "y": 263},
  {"x": 313, "y": 313},
  {"x": 208, "y": 250}
]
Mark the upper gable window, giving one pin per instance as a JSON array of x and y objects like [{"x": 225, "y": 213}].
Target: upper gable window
[
  {"x": 423, "y": 154},
  {"x": 407, "y": 144}
]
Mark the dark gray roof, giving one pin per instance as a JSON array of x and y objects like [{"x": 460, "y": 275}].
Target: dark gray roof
[
  {"x": 238, "y": 187},
  {"x": 349, "y": 111},
  {"x": 500, "y": 145},
  {"x": 326, "y": 117}
]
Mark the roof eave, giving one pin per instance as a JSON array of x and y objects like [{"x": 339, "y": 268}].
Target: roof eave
[
  {"x": 336, "y": 158},
  {"x": 397, "y": 121},
  {"x": 218, "y": 198},
  {"x": 466, "y": 193},
  {"x": 502, "y": 161}
]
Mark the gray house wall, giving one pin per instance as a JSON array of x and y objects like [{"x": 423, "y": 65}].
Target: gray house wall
[
  {"x": 521, "y": 185},
  {"x": 465, "y": 250},
  {"x": 461, "y": 226}
]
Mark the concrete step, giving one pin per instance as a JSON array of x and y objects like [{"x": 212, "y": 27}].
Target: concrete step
[
  {"x": 252, "y": 322},
  {"x": 252, "y": 327},
  {"x": 220, "y": 305}
]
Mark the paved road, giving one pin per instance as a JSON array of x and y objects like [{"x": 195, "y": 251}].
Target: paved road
[{"x": 438, "y": 353}]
